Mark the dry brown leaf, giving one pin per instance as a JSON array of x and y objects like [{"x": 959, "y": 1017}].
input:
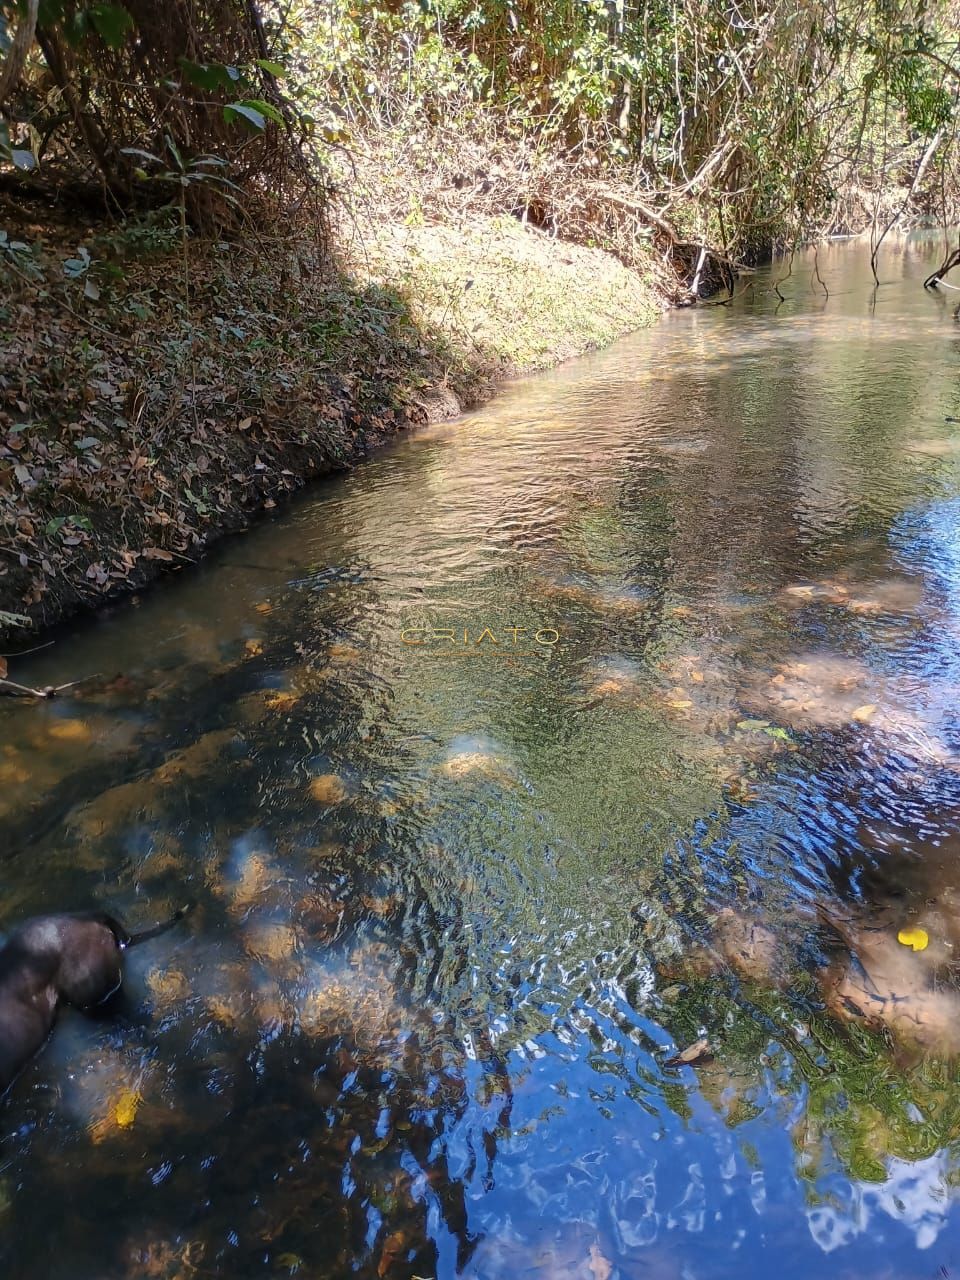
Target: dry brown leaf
[
  {"x": 69, "y": 731},
  {"x": 694, "y": 1054},
  {"x": 282, "y": 700},
  {"x": 328, "y": 789}
]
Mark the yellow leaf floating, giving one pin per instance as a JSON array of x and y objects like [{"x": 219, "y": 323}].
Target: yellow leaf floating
[
  {"x": 918, "y": 939},
  {"x": 125, "y": 1112}
]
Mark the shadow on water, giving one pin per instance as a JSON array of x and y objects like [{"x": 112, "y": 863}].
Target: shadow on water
[{"x": 459, "y": 903}]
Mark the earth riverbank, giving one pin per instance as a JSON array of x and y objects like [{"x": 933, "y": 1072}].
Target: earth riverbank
[{"x": 156, "y": 394}]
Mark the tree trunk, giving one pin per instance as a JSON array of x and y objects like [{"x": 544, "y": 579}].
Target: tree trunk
[{"x": 16, "y": 58}]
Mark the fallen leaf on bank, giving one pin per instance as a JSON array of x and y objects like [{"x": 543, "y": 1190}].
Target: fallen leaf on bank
[
  {"x": 598, "y": 1265},
  {"x": 916, "y": 938},
  {"x": 692, "y": 1056},
  {"x": 156, "y": 553}
]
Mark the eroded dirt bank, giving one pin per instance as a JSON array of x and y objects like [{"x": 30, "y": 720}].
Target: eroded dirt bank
[{"x": 156, "y": 394}]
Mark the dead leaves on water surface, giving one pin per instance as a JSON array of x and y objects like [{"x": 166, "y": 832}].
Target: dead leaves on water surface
[
  {"x": 120, "y": 1114},
  {"x": 328, "y": 789},
  {"x": 694, "y": 1055},
  {"x": 168, "y": 988}
]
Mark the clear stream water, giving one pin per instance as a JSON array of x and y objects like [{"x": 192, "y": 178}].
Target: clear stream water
[{"x": 458, "y": 903}]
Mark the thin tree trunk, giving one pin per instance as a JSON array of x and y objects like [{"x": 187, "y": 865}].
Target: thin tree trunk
[{"x": 16, "y": 58}]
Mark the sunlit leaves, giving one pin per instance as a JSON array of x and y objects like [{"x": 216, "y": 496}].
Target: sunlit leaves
[{"x": 254, "y": 112}]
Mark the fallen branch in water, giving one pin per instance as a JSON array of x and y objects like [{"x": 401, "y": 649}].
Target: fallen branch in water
[
  {"x": 936, "y": 279},
  {"x": 25, "y": 690}
]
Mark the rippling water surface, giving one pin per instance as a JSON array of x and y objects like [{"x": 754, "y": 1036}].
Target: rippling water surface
[{"x": 459, "y": 901}]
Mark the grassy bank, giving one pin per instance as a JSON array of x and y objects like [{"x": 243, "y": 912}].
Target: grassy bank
[
  {"x": 157, "y": 391},
  {"x": 365, "y": 215}
]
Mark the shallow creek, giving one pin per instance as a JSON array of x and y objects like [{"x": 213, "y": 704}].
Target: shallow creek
[{"x": 540, "y": 747}]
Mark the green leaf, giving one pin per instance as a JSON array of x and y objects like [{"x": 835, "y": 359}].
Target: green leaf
[
  {"x": 774, "y": 731},
  {"x": 54, "y": 526},
  {"x": 174, "y": 151},
  {"x": 144, "y": 155},
  {"x": 76, "y": 28},
  {"x": 265, "y": 109},
  {"x": 50, "y": 12},
  {"x": 112, "y": 23},
  {"x": 240, "y": 111},
  {"x": 209, "y": 75},
  {"x": 23, "y": 159},
  {"x": 272, "y": 68}
]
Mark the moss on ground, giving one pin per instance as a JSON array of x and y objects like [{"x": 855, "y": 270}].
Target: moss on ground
[{"x": 511, "y": 299}]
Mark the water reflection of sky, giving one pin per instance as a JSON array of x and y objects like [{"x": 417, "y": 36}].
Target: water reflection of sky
[{"x": 484, "y": 865}]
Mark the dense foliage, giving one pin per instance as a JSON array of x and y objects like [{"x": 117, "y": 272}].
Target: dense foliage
[
  {"x": 729, "y": 125},
  {"x": 135, "y": 92},
  {"x": 777, "y": 118}
]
